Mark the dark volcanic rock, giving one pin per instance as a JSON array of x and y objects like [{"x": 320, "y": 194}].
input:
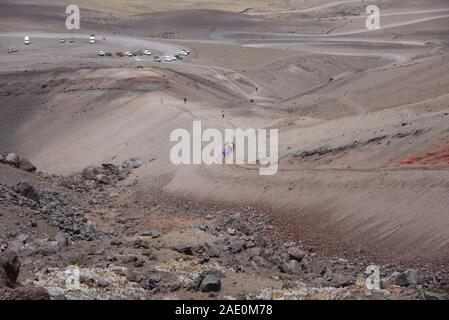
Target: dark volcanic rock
[
  {"x": 210, "y": 283},
  {"x": 24, "y": 189},
  {"x": 131, "y": 164},
  {"x": 26, "y": 165},
  {"x": 89, "y": 173},
  {"x": 409, "y": 277},
  {"x": 296, "y": 253},
  {"x": 9, "y": 288},
  {"x": 12, "y": 159},
  {"x": 9, "y": 268},
  {"x": 185, "y": 249},
  {"x": 152, "y": 233},
  {"x": 292, "y": 267},
  {"x": 141, "y": 244},
  {"x": 61, "y": 239}
]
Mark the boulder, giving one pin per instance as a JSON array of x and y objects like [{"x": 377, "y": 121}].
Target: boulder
[
  {"x": 184, "y": 249},
  {"x": 12, "y": 159},
  {"x": 24, "y": 189},
  {"x": 26, "y": 165},
  {"x": 296, "y": 254},
  {"x": 152, "y": 233},
  {"x": 9, "y": 288},
  {"x": 212, "y": 251},
  {"x": 132, "y": 163},
  {"x": 61, "y": 239},
  {"x": 409, "y": 277},
  {"x": 291, "y": 267},
  {"x": 141, "y": 244},
  {"x": 104, "y": 179},
  {"x": 24, "y": 293},
  {"x": 253, "y": 252},
  {"x": 341, "y": 281},
  {"x": 9, "y": 269},
  {"x": 89, "y": 173},
  {"x": 316, "y": 266},
  {"x": 210, "y": 283}
]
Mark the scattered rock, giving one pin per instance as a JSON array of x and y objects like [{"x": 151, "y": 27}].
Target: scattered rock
[
  {"x": 61, "y": 239},
  {"x": 132, "y": 163},
  {"x": 141, "y": 244},
  {"x": 341, "y": 281},
  {"x": 292, "y": 267},
  {"x": 89, "y": 173},
  {"x": 24, "y": 189},
  {"x": 152, "y": 233},
  {"x": 296, "y": 253},
  {"x": 184, "y": 249},
  {"x": 210, "y": 283},
  {"x": 10, "y": 267},
  {"x": 12, "y": 159},
  {"x": 139, "y": 263},
  {"x": 409, "y": 277},
  {"x": 26, "y": 165},
  {"x": 129, "y": 259},
  {"x": 102, "y": 283}
]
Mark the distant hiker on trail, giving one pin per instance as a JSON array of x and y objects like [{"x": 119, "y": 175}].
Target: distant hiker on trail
[
  {"x": 227, "y": 149},
  {"x": 257, "y": 88},
  {"x": 185, "y": 100},
  {"x": 225, "y": 153},
  {"x": 222, "y": 114}
]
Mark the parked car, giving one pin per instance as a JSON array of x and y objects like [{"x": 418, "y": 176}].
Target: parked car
[
  {"x": 92, "y": 39},
  {"x": 72, "y": 40},
  {"x": 186, "y": 52},
  {"x": 12, "y": 50},
  {"x": 62, "y": 41},
  {"x": 108, "y": 54},
  {"x": 170, "y": 58},
  {"x": 101, "y": 53},
  {"x": 128, "y": 54},
  {"x": 119, "y": 54},
  {"x": 147, "y": 53},
  {"x": 178, "y": 56},
  {"x": 157, "y": 59},
  {"x": 27, "y": 40}
]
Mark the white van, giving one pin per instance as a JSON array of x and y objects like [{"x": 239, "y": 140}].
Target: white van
[
  {"x": 92, "y": 39},
  {"x": 27, "y": 40}
]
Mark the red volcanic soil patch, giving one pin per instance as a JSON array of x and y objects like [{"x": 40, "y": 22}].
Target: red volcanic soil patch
[{"x": 438, "y": 157}]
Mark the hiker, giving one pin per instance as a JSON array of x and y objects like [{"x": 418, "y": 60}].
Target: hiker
[
  {"x": 185, "y": 100},
  {"x": 257, "y": 88},
  {"x": 222, "y": 114},
  {"x": 225, "y": 153}
]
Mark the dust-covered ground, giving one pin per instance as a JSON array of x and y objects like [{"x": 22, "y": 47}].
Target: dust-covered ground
[{"x": 363, "y": 145}]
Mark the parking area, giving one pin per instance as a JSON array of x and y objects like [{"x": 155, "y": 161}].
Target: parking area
[{"x": 44, "y": 47}]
